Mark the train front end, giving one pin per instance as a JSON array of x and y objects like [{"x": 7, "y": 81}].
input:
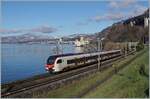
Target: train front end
[{"x": 50, "y": 64}]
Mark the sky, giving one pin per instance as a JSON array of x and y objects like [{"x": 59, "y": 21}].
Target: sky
[{"x": 62, "y": 18}]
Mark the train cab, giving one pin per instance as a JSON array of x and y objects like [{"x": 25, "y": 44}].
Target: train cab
[
  {"x": 55, "y": 63},
  {"x": 50, "y": 63}
]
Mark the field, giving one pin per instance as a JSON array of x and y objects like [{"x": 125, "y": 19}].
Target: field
[{"x": 131, "y": 81}]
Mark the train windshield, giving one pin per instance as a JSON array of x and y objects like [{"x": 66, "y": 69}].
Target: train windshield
[{"x": 51, "y": 60}]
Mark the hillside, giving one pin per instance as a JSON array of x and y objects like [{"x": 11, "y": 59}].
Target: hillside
[{"x": 124, "y": 31}]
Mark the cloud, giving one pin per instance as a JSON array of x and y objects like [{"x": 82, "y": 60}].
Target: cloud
[
  {"x": 114, "y": 16},
  {"x": 134, "y": 5},
  {"x": 139, "y": 9},
  {"x": 9, "y": 31},
  {"x": 97, "y": 18},
  {"x": 109, "y": 17},
  {"x": 113, "y": 4},
  {"x": 126, "y": 3},
  {"x": 117, "y": 11},
  {"x": 122, "y": 3},
  {"x": 135, "y": 11},
  {"x": 41, "y": 29}
]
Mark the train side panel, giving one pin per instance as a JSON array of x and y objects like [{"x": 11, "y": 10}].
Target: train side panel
[{"x": 76, "y": 60}]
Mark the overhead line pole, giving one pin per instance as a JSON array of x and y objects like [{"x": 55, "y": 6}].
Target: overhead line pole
[
  {"x": 99, "y": 51},
  {"x": 99, "y": 54}
]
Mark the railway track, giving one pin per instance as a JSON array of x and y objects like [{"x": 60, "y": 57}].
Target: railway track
[{"x": 26, "y": 88}]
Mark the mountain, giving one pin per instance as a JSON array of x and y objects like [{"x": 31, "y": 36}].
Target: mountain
[
  {"x": 131, "y": 29},
  {"x": 28, "y": 37},
  {"x": 73, "y": 37}
]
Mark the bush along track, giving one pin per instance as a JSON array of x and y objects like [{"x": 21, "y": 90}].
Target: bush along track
[{"x": 87, "y": 84}]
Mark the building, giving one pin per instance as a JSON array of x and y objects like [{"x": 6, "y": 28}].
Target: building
[
  {"x": 132, "y": 23},
  {"x": 132, "y": 45},
  {"x": 146, "y": 22},
  {"x": 83, "y": 41}
]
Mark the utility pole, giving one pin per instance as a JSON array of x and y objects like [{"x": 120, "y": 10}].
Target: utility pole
[
  {"x": 62, "y": 47},
  {"x": 57, "y": 47},
  {"x": 61, "y": 42},
  {"x": 101, "y": 45},
  {"x": 98, "y": 53}
]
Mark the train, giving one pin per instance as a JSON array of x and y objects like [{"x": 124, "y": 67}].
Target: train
[{"x": 58, "y": 63}]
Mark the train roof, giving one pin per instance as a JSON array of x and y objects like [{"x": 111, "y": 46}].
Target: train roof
[
  {"x": 70, "y": 54},
  {"x": 62, "y": 55}
]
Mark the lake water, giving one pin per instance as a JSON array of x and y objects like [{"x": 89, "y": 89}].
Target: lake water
[{"x": 20, "y": 61}]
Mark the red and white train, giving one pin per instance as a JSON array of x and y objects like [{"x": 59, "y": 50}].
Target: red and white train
[{"x": 57, "y": 63}]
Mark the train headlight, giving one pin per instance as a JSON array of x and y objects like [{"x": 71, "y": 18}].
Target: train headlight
[{"x": 47, "y": 68}]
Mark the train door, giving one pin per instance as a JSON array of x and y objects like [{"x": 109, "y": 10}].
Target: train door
[{"x": 59, "y": 64}]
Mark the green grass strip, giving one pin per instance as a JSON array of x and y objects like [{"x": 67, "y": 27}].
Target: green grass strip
[{"x": 127, "y": 83}]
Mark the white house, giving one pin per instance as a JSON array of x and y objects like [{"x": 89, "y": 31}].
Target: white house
[{"x": 81, "y": 42}]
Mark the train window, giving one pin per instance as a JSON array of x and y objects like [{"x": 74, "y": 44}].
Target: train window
[
  {"x": 51, "y": 60},
  {"x": 70, "y": 61},
  {"x": 59, "y": 61},
  {"x": 92, "y": 57}
]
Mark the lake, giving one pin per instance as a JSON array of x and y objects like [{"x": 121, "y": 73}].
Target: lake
[{"x": 20, "y": 61}]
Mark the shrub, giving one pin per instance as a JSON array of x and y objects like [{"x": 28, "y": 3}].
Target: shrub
[{"x": 139, "y": 46}]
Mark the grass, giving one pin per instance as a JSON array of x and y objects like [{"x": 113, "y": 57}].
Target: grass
[
  {"x": 109, "y": 88},
  {"x": 76, "y": 87},
  {"x": 127, "y": 83}
]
